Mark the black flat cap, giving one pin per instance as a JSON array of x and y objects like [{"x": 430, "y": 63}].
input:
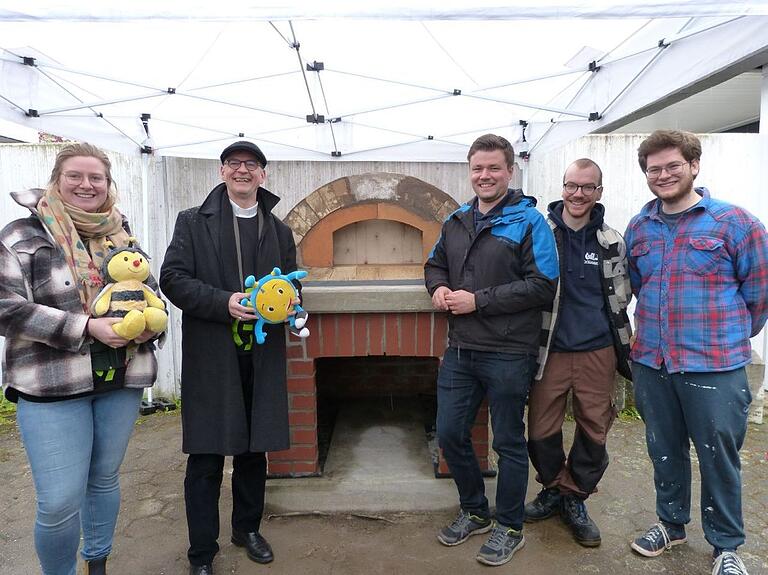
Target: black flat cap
[{"x": 244, "y": 146}]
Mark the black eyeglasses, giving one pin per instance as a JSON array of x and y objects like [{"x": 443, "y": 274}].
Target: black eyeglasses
[
  {"x": 586, "y": 189},
  {"x": 673, "y": 169},
  {"x": 250, "y": 165}
]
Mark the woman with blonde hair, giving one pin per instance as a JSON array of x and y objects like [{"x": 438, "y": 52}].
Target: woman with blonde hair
[{"x": 78, "y": 384}]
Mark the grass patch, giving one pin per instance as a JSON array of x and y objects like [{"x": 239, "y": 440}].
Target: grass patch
[
  {"x": 7, "y": 412},
  {"x": 629, "y": 414}
]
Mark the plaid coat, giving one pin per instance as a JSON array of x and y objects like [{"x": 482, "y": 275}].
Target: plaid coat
[
  {"x": 42, "y": 319},
  {"x": 616, "y": 291},
  {"x": 701, "y": 287}
]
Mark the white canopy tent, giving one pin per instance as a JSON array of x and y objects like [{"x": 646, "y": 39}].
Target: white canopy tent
[
  {"x": 384, "y": 81},
  {"x": 360, "y": 81}
]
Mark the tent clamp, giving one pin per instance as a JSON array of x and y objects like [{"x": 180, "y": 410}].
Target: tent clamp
[
  {"x": 430, "y": 137},
  {"x": 32, "y": 113},
  {"x": 335, "y": 120},
  {"x": 593, "y": 67},
  {"x": 241, "y": 135},
  {"x": 335, "y": 154},
  {"x": 171, "y": 90},
  {"x": 28, "y": 61},
  {"x": 594, "y": 116},
  {"x": 315, "y": 66},
  {"x": 315, "y": 119},
  {"x": 456, "y": 92},
  {"x": 524, "y": 154},
  {"x": 145, "y": 117},
  {"x": 663, "y": 43},
  {"x": 146, "y": 150}
]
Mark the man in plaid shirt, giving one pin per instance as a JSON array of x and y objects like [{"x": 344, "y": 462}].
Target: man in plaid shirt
[{"x": 699, "y": 271}]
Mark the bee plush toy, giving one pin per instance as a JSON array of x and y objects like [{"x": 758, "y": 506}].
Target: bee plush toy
[
  {"x": 272, "y": 299},
  {"x": 127, "y": 296}
]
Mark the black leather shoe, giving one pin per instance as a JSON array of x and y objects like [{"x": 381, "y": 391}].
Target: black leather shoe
[
  {"x": 201, "y": 569},
  {"x": 96, "y": 567},
  {"x": 255, "y": 545}
]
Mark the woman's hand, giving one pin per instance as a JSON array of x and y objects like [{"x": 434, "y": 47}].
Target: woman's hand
[
  {"x": 100, "y": 328},
  {"x": 145, "y": 336}
]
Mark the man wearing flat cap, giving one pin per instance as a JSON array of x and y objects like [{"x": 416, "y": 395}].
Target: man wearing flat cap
[{"x": 233, "y": 391}]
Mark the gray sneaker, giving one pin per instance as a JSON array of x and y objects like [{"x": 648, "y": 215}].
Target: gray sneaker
[
  {"x": 658, "y": 539},
  {"x": 501, "y": 545},
  {"x": 462, "y": 528},
  {"x": 728, "y": 563}
]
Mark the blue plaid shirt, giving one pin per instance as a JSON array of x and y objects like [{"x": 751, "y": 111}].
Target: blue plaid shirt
[{"x": 701, "y": 287}]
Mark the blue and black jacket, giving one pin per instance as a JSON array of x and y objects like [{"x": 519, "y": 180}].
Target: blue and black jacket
[{"x": 510, "y": 264}]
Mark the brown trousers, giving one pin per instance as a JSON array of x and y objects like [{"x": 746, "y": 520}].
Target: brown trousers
[{"x": 591, "y": 377}]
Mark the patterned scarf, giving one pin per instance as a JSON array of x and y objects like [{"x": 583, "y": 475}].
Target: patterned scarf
[{"x": 70, "y": 226}]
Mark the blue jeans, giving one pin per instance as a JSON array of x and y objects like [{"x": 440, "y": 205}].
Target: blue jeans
[
  {"x": 709, "y": 409},
  {"x": 464, "y": 380},
  {"x": 75, "y": 448}
]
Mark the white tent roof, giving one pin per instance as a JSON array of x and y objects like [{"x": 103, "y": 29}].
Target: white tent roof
[{"x": 360, "y": 81}]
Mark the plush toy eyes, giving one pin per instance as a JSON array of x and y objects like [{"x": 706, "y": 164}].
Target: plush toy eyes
[
  {"x": 125, "y": 258},
  {"x": 270, "y": 309},
  {"x": 281, "y": 291}
]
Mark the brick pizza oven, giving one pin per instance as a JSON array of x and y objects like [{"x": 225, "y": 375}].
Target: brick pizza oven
[{"x": 364, "y": 239}]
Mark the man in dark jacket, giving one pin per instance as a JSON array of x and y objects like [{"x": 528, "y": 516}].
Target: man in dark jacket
[
  {"x": 493, "y": 269},
  {"x": 233, "y": 392},
  {"x": 585, "y": 340}
]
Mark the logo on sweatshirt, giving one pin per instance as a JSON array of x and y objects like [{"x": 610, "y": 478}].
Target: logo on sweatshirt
[{"x": 590, "y": 259}]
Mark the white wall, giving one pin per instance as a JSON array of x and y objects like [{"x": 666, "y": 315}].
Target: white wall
[{"x": 730, "y": 168}]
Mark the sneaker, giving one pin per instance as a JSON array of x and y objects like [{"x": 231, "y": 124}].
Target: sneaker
[
  {"x": 728, "y": 563},
  {"x": 462, "y": 528},
  {"x": 573, "y": 512},
  {"x": 501, "y": 545},
  {"x": 659, "y": 538},
  {"x": 546, "y": 504}
]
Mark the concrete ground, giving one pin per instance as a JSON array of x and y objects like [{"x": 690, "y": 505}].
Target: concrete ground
[{"x": 353, "y": 522}]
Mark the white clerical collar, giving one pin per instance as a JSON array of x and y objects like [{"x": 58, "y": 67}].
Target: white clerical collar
[{"x": 244, "y": 212}]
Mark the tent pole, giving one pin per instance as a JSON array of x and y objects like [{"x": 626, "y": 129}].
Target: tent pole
[
  {"x": 146, "y": 235},
  {"x": 763, "y": 215}
]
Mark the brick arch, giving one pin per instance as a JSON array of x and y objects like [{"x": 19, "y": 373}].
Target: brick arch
[{"x": 375, "y": 195}]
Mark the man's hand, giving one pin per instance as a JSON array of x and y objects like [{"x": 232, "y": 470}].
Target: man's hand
[
  {"x": 100, "y": 328},
  {"x": 239, "y": 311},
  {"x": 460, "y": 302},
  {"x": 438, "y": 298}
]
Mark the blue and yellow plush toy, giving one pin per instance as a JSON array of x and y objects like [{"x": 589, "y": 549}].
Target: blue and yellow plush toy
[
  {"x": 127, "y": 296},
  {"x": 272, "y": 299}
]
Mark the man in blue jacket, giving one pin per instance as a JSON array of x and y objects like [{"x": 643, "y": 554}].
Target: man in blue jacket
[
  {"x": 699, "y": 271},
  {"x": 493, "y": 269}
]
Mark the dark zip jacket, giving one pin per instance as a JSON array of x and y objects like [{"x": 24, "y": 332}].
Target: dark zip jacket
[
  {"x": 510, "y": 264},
  {"x": 612, "y": 263},
  {"x": 583, "y": 324}
]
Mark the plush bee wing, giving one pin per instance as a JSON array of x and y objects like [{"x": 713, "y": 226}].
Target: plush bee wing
[{"x": 100, "y": 304}]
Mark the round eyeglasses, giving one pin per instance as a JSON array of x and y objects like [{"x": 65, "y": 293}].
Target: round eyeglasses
[
  {"x": 673, "y": 169},
  {"x": 586, "y": 189}
]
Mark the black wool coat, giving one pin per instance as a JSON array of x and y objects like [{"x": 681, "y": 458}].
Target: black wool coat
[{"x": 194, "y": 279}]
